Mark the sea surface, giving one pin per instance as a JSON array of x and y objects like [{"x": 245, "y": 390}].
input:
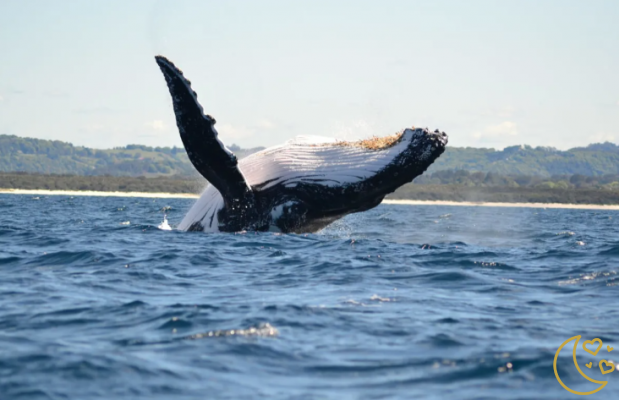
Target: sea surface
[{"x": 100, "y": 300}]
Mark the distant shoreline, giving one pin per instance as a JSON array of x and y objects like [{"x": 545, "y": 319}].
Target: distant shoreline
[
  {"x": 497, "y": 204},
  {"x": 161, "y": 195},
  {"x": 94, "y": 193}
]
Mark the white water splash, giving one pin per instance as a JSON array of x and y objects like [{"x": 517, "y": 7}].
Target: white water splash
[
  {"x": 378, "y": 298},
  {"x": 165, "y": 226},
  {"x": 264, "y": 330}
]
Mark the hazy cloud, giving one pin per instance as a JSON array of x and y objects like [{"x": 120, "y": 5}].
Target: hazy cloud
[
  {"x": 235, "y": 132},
  {"x": 507, "y": 128},
  {"x": 92, "y": 128},
  {"x": 354, "y": 130},
  {"x": 503, "y": 112},
  {"x": 400, "y": 63},
  {"x": 11, "y": 90},
  {"x": 603, "y": 137},
  {"x": 1, "y": 98},
  {"x": 506, "y": 112},
  {"x": 238, "y": 132},
  {"x": 265, "y": 124},
  {"x": 56, "y": 93},
  {"x": 96, "y": 110},
  {"x": 157, "y": 125}
]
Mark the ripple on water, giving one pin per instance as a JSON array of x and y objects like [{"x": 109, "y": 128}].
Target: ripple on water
[{"x": 397, "y": 302}]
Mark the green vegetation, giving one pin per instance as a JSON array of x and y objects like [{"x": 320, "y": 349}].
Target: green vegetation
[
  {"x": 483, "y": 179},
  {"x": 56, "y": 157},
  {"x": 516, "y": 174},
  {"x": 504, "y": 194},
  {"x": 106, "y": 183},
  {"x": 443, "y": 185},
  {"x": 593, "y": 160},
  {"x": 491, "y": 187}
]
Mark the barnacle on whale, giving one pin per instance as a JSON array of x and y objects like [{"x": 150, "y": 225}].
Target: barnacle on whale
[{"x": 374, "y": 143}]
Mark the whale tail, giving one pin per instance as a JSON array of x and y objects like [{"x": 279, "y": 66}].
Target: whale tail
[{"x": 206, "y": 152}]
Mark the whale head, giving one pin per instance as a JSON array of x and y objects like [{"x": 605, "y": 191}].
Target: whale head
[
  {"x": 417, "y": 149},
  {"x": 425, "y": 145}
]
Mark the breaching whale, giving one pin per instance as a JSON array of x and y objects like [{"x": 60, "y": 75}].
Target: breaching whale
[{"x": 300, "y": 186}]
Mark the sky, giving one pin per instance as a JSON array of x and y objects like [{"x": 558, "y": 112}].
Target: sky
[{"x": 488, "y": 73}]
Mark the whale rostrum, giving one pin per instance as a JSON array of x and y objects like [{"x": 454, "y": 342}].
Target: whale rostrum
[{"x": 300, "y": 186}]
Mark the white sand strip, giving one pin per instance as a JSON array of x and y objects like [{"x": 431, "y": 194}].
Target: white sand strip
[
  {"x": 40, "y": 192},
  {"x": 489, "y": 204}
]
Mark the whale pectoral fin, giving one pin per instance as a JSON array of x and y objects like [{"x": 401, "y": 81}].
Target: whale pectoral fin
[{"x": 206, "y": 152}]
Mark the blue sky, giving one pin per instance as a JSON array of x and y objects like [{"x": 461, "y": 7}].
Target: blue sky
[{"x": 489, "y": 73}]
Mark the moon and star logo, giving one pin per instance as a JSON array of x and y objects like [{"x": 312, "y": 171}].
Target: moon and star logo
[{"x": 593, "y": 348}]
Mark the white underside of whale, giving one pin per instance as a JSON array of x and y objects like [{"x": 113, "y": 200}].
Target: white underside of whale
[{"x": 311, "y": 159}]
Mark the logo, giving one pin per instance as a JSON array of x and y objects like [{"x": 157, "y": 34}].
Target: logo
[{"x": 592, "y": 347}]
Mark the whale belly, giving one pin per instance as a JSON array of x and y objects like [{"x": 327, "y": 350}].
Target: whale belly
[{"x": 204, "y": 212}]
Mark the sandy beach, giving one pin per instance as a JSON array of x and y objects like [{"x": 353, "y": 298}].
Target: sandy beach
[
  {"x": 487, "y": 204},
  {"x": 387, "y": 201},
  {"x": 40, "y": 192}
]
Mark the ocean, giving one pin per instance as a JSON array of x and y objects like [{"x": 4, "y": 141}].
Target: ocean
[{"x": 100, "y": 300}]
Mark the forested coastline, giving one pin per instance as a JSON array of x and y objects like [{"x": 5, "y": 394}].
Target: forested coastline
[
  {"x": 56, "y": 157},
  {"x": 451, "y": 186},
  {"x": 105, "y": 183},
  {"x": 515, "y": 174}
]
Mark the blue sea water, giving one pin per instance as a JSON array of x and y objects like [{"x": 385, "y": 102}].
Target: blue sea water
[{"x": 436, "y": 302}]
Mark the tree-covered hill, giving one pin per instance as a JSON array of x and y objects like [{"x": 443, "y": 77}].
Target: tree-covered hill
[
  {"x": 56, "y": 157},
  {"x": 593, "y": 160},
  {"x": 444, "y": 185}
]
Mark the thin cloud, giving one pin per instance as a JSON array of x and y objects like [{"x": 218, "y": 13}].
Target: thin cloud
[
  {"x": 603, "y": 137},
  {"x": 157, "y": 125},
  {"x": 56, "y": 93},
  {"x": 506, "y": 112},
  {"x": 265, "y": 124},
  {"x": 92, "y": 128},
  {"x": 235, "y": 132},
  {"x": 96, "y": 111},
  {"x": 238, "y": 132},
  {"x": 13, "y": 90},
  {"x": 507, "y": 128},
  {"x": 353, "y": 130},
  {"x": 1, "y": 98}
]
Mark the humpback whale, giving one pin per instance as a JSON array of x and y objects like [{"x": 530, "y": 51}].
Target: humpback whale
[{"x": 300, "y": 186}]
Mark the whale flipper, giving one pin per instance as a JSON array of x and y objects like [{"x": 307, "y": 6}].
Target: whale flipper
[
  {"x": 300, "y": 186},
  {"x": 206, "y": 152}
]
